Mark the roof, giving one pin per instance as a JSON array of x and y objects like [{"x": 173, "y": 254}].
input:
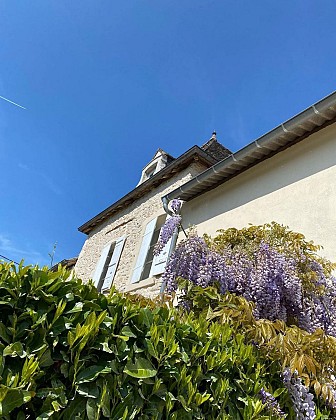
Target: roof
[
  {"x": 174, "y": 166},
  {"x": 215, "y": 149},
  {"x": 294, "y": 130},
  {"x": 67, "y": 263}
]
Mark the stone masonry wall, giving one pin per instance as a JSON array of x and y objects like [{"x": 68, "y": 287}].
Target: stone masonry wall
[{"x": 130, "y": 222}]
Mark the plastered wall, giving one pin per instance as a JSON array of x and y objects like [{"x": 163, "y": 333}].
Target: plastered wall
[{"x": 296, "y": 187}]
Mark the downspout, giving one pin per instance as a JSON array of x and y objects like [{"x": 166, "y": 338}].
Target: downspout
[{"x": 165, "y": 203}]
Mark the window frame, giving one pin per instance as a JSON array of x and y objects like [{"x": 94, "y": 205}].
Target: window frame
[
  {"x": 143, "y": 268},
  {"x": 107, "y": 264}
]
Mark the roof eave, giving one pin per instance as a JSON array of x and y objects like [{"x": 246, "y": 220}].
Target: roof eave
[{"x": 175, "y": 166}]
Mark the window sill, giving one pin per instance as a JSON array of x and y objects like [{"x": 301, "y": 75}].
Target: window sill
[{"x": 142, "y": 283}]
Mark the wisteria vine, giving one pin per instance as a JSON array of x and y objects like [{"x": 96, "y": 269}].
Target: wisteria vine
[
  {"x": 271, "y": 403},
  {"x": 302, "y": 399},
  {"x": 268, "y": 278},
  {"x": 170, "y": 226},
  {"x": 292, "y": 284}
]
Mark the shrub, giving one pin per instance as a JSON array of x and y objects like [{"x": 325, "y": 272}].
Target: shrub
[
  {"x": 306, "y": 360},
  {"x": 68, "y": 352}
]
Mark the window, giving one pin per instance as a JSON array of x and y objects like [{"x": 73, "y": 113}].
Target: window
[
  {"x": 160, "y": 160},
  {"x": 150, "y": 253},
  {"x": 150, "y": 171},
  {"x": 148, "y": 265},
  {"x": 108, "y": 264}
]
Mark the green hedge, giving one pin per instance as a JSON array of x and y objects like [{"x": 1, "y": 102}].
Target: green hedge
[{"x": 68, "y": 352}]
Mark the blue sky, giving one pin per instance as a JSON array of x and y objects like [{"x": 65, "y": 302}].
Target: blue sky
[{"x": 106, "y": 83}]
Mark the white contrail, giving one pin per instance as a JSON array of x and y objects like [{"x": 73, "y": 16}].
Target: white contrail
[{"x": 5, "y": 99}]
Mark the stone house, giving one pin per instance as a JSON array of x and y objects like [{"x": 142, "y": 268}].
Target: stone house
[
  {"x": 120, "y": 239},
  {"x": 287, "y": 175},
  {"x": 69, "y": 264}
]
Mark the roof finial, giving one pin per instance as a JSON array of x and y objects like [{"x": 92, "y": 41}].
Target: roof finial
[{"x": 214, "y": 135}]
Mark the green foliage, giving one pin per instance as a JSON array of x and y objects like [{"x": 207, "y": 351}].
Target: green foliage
[
  {"x": 312, "y": 355},
  {"x": 68, "y": 352}
]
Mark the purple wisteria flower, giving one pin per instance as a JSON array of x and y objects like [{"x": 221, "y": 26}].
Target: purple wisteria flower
[
  {"x": 302, "y": 399},
  {"x": 274, "y": 285},
  {"x": 321, "y": 308},
  {"x": 332, "y": 403},
  {"x": 171, "y": 225},
  {"x": 186, "y": 260},
  {"x": 268, "y": 278},
  {"x": 271, "y": 403},
  {"x": 176, "y": 205}
]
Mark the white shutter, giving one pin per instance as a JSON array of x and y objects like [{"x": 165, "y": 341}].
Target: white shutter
[
  {"x": 146, "y": 241},
  {"x": 101, "y": 263},
  {"x": 112, "y": 268},
  {"x": 160, "y": 261}
]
